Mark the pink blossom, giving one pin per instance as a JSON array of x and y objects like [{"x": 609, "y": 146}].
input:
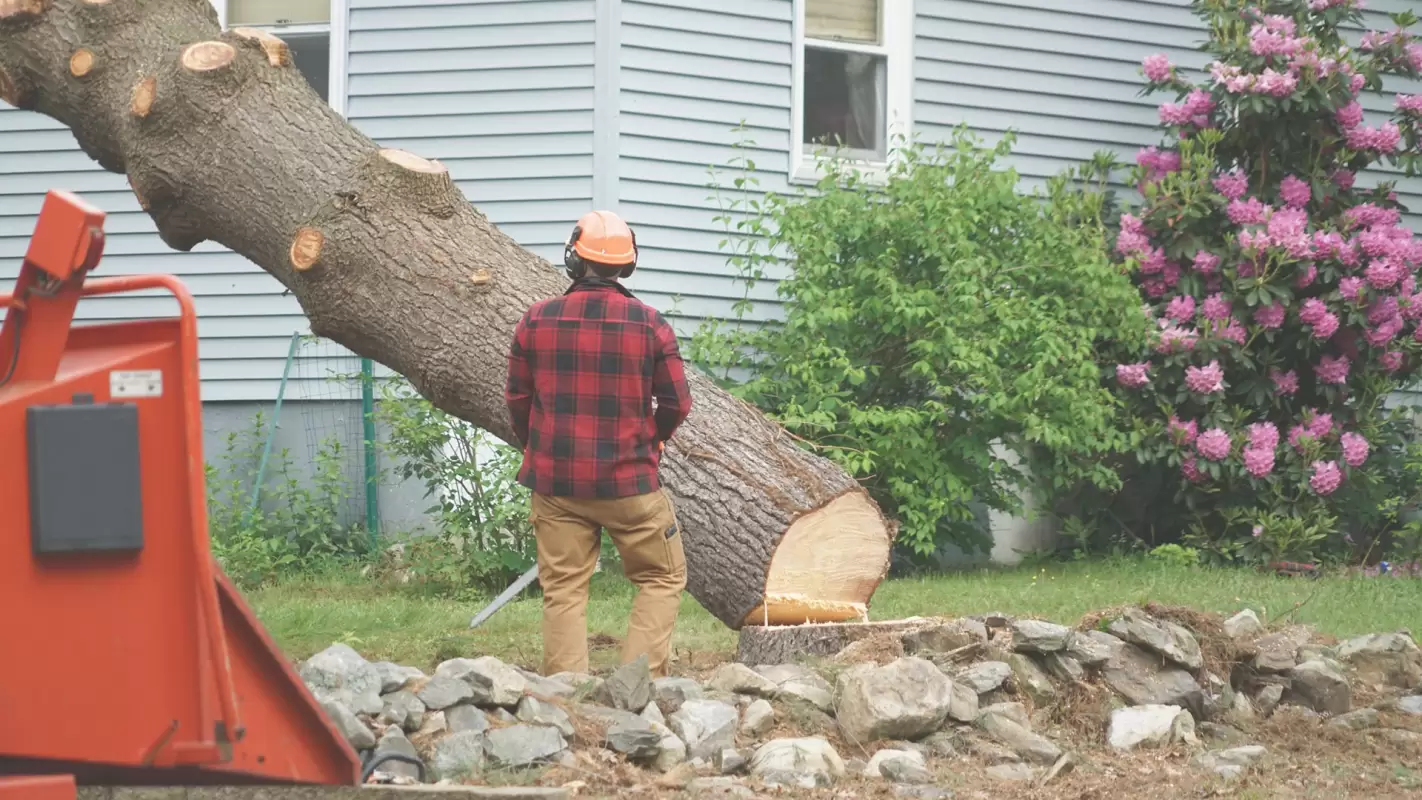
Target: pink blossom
[
  {"x": 1326, "y": 477},
  {"x": 1175, "y": 339},
  {"x": 1312, "y": 311},
  {"x": 1154, "y": 287},
  {"x": 1270, "y": 316},
  {"x": 1130, "y": 222},
  {"x": 1370, "y": 214},
  {"x": 1246, "y": 269},
  {"x": 1296, "y": 435},
  {"x": 1259, "y": 462},
  {"x": 1215, "y": 307},
  {"x": 1157, "y": 68},
  {"x": 1153, "y": 261},
  {"x": 1263, "y": 436},
  {"x": 1295, "y": 192},
  {"x": 1319, "y": 425},
  {"x": 1414, "y": 56},
  {"x": 1170, "y": 271},
  {"x": 1205, "y": 380},
  {"x": 1284, "y": 382},
  {"x": 1133, "y": 376},
  {"x": 1190, "y": 468},
  {"x": 1356, "y": 83},
  {"x": 1206, "y": 262},
  {"x": 1350, "y": 286},
  {"x": 1234, "y": 332},
  {"x": 1276, "y": 84},
  {"x": 1305, "y": 278},
  {"x": 1349, "y": 116},
  {"x": 1182, "y": 432},
  {"x": 1266, "y": 42},
  {"x": 1343, "y": 179},
  {"x": 1131, "y": 243},
  {"x": 1385, "y": 332},
  {"x": 1355, "y": 449},
  {"x": 1326, "y": 326},
  {"x": 1324, "y": 5},
  {"x": 1391, "y": 361},
  {"x": 1383, "y": 274},
  {"x": 1174, "y": 114},
  {"x": 1383, "y": 139},
  {"x": 1383, "y": 309},
  {"x": 1231, "y": 184},
  {"x": 1181, "y": 309},
  {"x": 1213, "y": 444},
  {"x": 1332, "y": 370},
  {"x": 1409, "y": 103},
  {"x": 1247, "y": 212},
  {"x": 1158, "y": 162}
]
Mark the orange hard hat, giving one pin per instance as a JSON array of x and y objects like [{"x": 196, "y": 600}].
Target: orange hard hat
[{"x": 603, "y": 238}]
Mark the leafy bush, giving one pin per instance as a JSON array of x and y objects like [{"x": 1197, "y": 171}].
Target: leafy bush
[
  {"x": 1282, "y": 290},
  {"x": 938, "y": 331}
]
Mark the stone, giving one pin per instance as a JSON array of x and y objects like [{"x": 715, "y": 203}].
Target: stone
[
  {"x": 671, "y": 750},
  {"x": 653, "y": 714},
  {"x": 1230, "y": 764},
  {"x": 806, "y": 763},
  {"x": 963, "y": 703},
  {"x": 628, "y": 688},
  {"x": 1268, "y": 699},
  {"x": 758, "y": 719},
  {"x": 339, "y": 674},
  {"x": 1013, "y": 711},
  {"x": 1159, "y": 636},
  {"x": 1240, "y": 710},
  {"x": 1139, "y": 677},
  {"x": 541, "y": 712},
  {"x": 899, "y": 766},
  {"x": 1321, "y": 687},
  {"x": 1039, "y": 636},
  {"x": 991, "y": 752},
  {"x": 442, "y": 691},
  {"x": 795, "y": 681},
  {"x": 740, "y": 679},
  {"x": 985, "y": 676},
  {"x": 729, "y": 761},
  {"x": 922, "y": 792},
  {"x": 670, "y": 693},
  {"x": 394, "y": 742},
  {"x": 1093, "y": 648},
  {"x": 718, "y": 786},
  {"x": 435, "y": 722},
  {"x": 1031, "y": 746},
  {"x": 583, "y": 684},
  {"x": 492, "y": 682},
  {"x": 1276, "y": 652},
  {"x": 523, "y": 745},
  {"x": 1401, "y": 737},
  {"x": 1384, "y": 659},
  {"x": 1358, "y": 720},
  {"x": 350, "y": 726},
  {"x": 706, "y": 726},
  {"x": 1223, "y": 734},
  {"x": 458, "y": 755},
  {"x": 945, "y": 638},
  {"x": 1243, "y": 625},
  {"x": 905, "y": 699},
  {"x": 402, "y": 708},
  {"x": 1410, "y": 705},
  {"x": 942, "y": 744},
  {"x": 501, "y": 716},
  {"x": 546, "y": 688},
  {"x": 1149, "y": 726},
  {"x": 1015, "y": 772},
  {"x": 394, "y": 677},
  {"x": 1063, "y": 765},
  {"x": 634, "y": 737},
  {"x": 1031, "y": 679},
  {"x": 1063, "y": 667},
  {"x": 465, "y": 717}
]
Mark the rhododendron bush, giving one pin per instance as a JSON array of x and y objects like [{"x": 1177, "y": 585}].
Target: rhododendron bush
[{"x": 1283, "y": 289}]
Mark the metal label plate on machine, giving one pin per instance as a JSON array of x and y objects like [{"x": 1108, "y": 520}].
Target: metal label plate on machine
[
  {"x": 135, "y": 383},
  {"x": 85, "y": 478}
]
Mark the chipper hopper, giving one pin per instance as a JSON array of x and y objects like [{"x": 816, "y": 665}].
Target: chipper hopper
[{"x": 126, "y": 656}]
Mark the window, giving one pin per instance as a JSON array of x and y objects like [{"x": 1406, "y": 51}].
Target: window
[
  {"x": 306, "y": 27},
  {"x": 852, "y": 82}
]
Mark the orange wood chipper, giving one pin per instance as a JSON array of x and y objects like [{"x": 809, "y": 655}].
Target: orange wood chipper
[{"x": 126, "y": 656}]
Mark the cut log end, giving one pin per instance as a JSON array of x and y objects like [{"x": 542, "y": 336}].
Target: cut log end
[
  {"x": 306, "y": 249},
  {"x": 827, "y": 566},
  {"x": 412, "y": 162},
  {"x": 277, "y": 52},
  {"x": 789, "y": 643},
  {"x": 208, "y": 56},
  {"x": 144, "y": 94},
  {"x": 480, "y": 277},
  {"x": 16, "y": 10},
  {"x": 81, "y": 63}
]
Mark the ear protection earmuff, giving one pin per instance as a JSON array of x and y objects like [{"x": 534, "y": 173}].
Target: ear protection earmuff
[{"x": 573, "y": 264}]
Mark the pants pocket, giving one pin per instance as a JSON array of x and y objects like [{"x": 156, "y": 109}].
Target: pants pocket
[{"x": 671, "y": 538}]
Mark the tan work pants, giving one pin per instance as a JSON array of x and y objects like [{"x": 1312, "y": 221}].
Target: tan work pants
[{"x": 645, "y": 532}]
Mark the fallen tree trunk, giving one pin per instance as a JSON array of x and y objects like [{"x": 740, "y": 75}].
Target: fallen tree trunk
[{"x": 223, "y": 140}]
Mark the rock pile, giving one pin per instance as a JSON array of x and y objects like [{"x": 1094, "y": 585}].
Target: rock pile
[{"x": 963, "y": 688}]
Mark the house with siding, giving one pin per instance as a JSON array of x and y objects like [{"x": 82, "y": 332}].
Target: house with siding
[{"x": 543, "y": 109}]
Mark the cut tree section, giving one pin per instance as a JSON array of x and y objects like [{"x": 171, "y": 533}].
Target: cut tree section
[
  {"x": 387, "y": 257},
  {"x": 789, "y": 644}
]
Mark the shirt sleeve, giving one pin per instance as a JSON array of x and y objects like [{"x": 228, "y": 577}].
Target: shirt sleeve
[
  {"x": 669, "y": 383},
  {"x": 518, "y": 392}
]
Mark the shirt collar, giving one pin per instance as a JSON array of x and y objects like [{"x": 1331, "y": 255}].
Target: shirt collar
[{"x": 594, "y": 283}]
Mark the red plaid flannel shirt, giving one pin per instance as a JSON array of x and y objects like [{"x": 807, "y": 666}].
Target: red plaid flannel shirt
[{"x": 583, "y": 371}]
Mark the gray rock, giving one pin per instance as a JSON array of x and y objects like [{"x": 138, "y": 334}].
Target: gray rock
[
  {"x": 795, "y": 681},
  {"x": 758, "y": 719},
  {"x": 1240, "y": 710},
  {"x": 1160, "y": 636},
  {"x": 1268, "y": 699},
  {"x": 350, "y": 726},
  {"x": 628, "y": 688},
  {"x": 942, "y": 744},
  {"x": 905, "y": 699},
  {"x": 1038, "y": 636},
  {"x": 394, "y": 742},
  {"x": 899, "y": 766},
  {"x": 1277, "y": 651},
  {"x": 501, "y": 715},
  {"x": 963, "y": 703},
  {"x": 807, "y": 763},
  {"x": 706, "y": 726},
  {"x": 991, "y": 752},
  {"x": 547, "y": 688},
  {"x": 1063, "y": 765},
  {"x": 458, "y": 755},
  {"x": 1321, "y": 687},
  {"x": 741, "y": 679},
  {"x": 653, "y": 714},
  {"x": 1411, "y": 705},
  {"x": 1031, "y": 746},
  {"x": 634, "y": 737},
  {"x": 1230, "y": 764},
  {"x": 1149, "y": 726},
  {"x": 492, "y": 682},
  {"x": 1358, "y": 720},
  {"x": 922, "y": 792},
  {"x": 671, "y": 750},
  {"x": 583, "y": 684},
  {"x": 1031, "y": 679},
  {"x": 1218, "y": 696},
  {"x": 523, "y": 745},
  {"x": 435, "y": 722},
  {"x": 1384, "y": 659},
  {"x": 1243, "y": 625},
  {"x": 541, "y": 712},
  {"x": 1014, "y": 772},
  {"x": 339, "y": 674},
  {"x": 1223, "y": 734},
  {"x": 394, "y": 677},
  {"x": 729, "y": 761},
  {"x": 1063, "y": 667},
  {"x": 1139, "y": 677},
  {"x": 442, "y": 691},
  {"x": 465, "y": 717},
  {"x": 1093, "y": 648},
  {"x": 1401, "y": 737},
  {"x": 670, "y": 693},
  {"x": 402, "y": 708},
  {"x": 718, "y": 786},
  {"x": 985, "y": 676},
  {"x": 1013, "y": 711},
  {"x": 945, "y": 638}
]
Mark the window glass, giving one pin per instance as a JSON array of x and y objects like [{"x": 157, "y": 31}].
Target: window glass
[
  {"x": 848, "y": 20},
  {"x": 277, "y": 12},
  {"x": 845, "y": 99}
]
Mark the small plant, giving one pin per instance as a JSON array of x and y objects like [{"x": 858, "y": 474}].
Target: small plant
[{"x": 1176, "y": 556}]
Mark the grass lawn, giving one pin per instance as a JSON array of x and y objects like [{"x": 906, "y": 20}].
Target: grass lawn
[{"x": 398, "y": 624}]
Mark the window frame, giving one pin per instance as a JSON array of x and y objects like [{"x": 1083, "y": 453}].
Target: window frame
[
  {"x": 896, "y": 30},
  {"x": 338, "y": 31}
]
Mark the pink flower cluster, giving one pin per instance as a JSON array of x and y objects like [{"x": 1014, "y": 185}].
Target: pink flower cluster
[
  {"x": 1327, "y": 477},
  {"x": 1270, "y": 82},
  {"x": 1410, "y": 103},
  {"x": 1133, "y": 376},
  {"x": 1284, "y": 382},
  {"x": 1384, "y": 139},
  {"x": 1157, "y": 68},
  {"x": 1247, "y": 212},
  {"x": 1259, "y": 453},
  {"x": 1275, "y": 36},
  {"x": 1349, "y": 116},
  {"x": 1181, "y": 309},
  {"x": 1270, "y": 316},
  {"x": 1324, "y": 5},
  {"x": 1206, "y": 263},
  {"x": 1332, "y": 369},
  {"x": 1205, "y": 380},
  {"x": 1355, "y": 448},
  {"x": 1213, "y": 444},
  {"x": 1194, "y": 111},
  {"x": 1295, "y": 192},
  {"x": 1231, "y": 184},
  {"x": 1315, "y": 314},
  {"x": 1158, "y": 163},
  {"x": 1182, "y": 432}
]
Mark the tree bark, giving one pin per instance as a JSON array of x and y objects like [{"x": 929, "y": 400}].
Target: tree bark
[{"x": 223, "y": 140}]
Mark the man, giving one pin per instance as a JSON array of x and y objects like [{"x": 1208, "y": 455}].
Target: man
[{"x": 584, "y": 369}]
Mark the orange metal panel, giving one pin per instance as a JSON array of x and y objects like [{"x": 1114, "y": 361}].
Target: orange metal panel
[{"x": 53, "y": 787}]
